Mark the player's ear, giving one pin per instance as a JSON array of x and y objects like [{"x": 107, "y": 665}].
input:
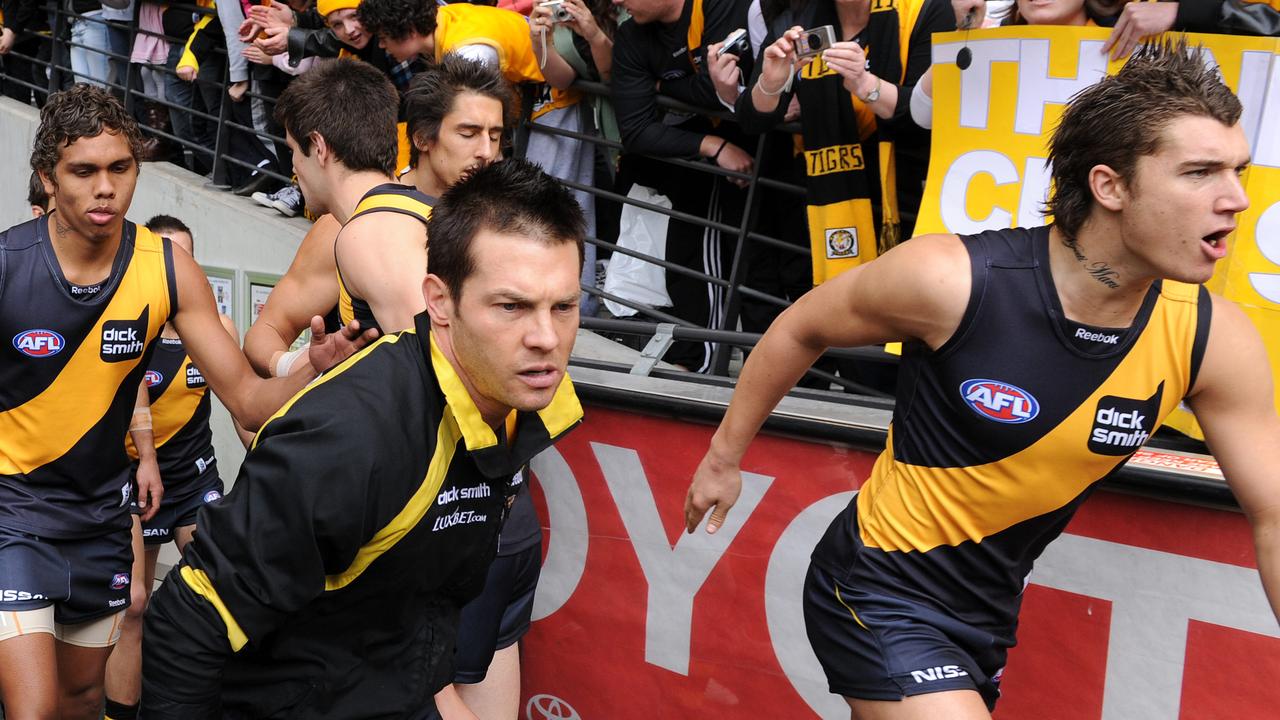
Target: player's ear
[
  {"x": 440, "y": 307},
  {"x": 50, "y": 185},
  {"x": 1108, "y": 187}
]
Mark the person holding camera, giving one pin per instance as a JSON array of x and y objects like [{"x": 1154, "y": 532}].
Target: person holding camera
[
  {"x": 572, "y": 40},
  {"x": 852, "y": 73},
  {"x": 663, "y": 50}
]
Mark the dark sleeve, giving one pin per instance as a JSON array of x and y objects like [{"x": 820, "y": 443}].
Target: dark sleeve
[
  {"x": 935, "y": 16},
  {"x": 260, "y": 555},
  {"x": 635, "y": 101},
  {"x": 309, "y": 20},
  {"x": 312, "y": 43},
  {"x": 1249, "y": 17},
  {"x": 23, "y": 16},
  {"x": 1197, "y": 15},
  {"x": 721, "y": 17}
]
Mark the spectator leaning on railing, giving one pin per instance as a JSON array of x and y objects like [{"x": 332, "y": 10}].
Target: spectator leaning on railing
[
  {"x": 25, "y": 35},
  {"x": 662, "y": 49}
]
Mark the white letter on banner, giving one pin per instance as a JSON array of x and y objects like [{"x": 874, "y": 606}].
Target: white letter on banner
[
  {"x": 1035, "y": 190},
  {"x": 955, "y": 188},
  {"x": 1267, "y": 234},
  {"x": 567, "y": 550},
  {"x": 784, "y": 604},
  {"x": 1266, "y": 151},
  {"x": 1252, "y": 91},
  {"x": 674, "y": 574},
  {"x": 1035, "y": 87},
  {"x": 975, "y": 81},
  {"x": 1153, "y": 594}
]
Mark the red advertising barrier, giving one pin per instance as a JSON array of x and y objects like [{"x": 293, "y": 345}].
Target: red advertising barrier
[{"x": 1142, "y": 609}]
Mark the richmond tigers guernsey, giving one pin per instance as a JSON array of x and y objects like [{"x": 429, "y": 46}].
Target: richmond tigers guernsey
[
  {"x": 1000, "y": 434},
  {"x": 69, "y": 375},
  {"x": 387, "y": 197},
  {"x": 180, "y": 416}
]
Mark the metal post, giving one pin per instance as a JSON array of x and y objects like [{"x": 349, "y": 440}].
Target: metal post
[
  {"x": 55, "y": 42},
  {"x": 220, "y": 145},
  {"x": 129, "y": 102},
  {"x": 733, "y": 303}
]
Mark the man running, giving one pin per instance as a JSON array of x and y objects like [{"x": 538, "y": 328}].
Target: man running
[
  {"x": 345, "y": 603},
  {"x": 83, "y": 296},
  {"x": 1036, "y": 362}
]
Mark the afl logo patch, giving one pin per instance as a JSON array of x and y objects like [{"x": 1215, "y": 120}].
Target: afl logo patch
[
  {"x": 119, "y": 581},
  {"x": 152, "y": 378},
  {"x": 211, "y": 496},
  {"x": 38, "y": 343},
  {"x": 998, "y": 401}
]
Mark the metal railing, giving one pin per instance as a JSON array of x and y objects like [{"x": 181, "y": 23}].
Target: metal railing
[{"x": 741, "y": 230}]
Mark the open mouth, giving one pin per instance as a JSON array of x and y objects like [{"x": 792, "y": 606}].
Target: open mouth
[
  {"x": 1216, "y": 239},
  {"x": 539, "y": 377}
]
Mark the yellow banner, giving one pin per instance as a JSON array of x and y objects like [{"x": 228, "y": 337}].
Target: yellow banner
[{"x": 992, "y": 122}]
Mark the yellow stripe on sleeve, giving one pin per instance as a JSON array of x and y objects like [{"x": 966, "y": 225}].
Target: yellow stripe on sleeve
[{"x": 199, "y": 583}]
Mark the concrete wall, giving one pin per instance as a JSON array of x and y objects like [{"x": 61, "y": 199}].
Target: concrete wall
[{"x": 230, "y": 232}]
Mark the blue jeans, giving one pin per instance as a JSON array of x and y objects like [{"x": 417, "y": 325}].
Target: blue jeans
[
  {"x": 178, "y": 92},
  {"x": 88, "y": 62}
]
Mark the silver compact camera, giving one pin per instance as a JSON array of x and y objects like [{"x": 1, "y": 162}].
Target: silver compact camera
[
  {"x": 814, "y": 41},
  {"x": 559, "y": 13},
  {"x": 737, "y": 44}
]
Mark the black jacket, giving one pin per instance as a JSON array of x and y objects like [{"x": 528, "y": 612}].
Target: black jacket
[
  {"x": 328, "y": 582},
  {"x": 655, "y": 57}
]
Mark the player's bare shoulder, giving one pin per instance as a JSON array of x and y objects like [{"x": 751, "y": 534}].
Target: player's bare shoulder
[{"x": 920, "y": 287}]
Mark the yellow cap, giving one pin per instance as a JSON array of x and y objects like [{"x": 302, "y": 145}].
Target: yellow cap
[{"x": 324, "y": 7}]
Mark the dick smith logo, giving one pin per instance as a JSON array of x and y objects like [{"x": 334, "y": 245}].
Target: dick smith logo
[
  {"x": 999, "y": 401},
  {"x": 1122, "y": 425},
  {"x": 124, "y": 339},
  {"x": 194, "y": 378}
]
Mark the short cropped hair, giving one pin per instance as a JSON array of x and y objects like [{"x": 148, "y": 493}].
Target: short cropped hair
[
  {"x": 1123, "y": 117},
  {"x": 159, "y": 223},
  {"x": 352, "y": 105},
  {"x": 36, "y": 195},
  {"x": 432, "y": 93},
  {"x": 512, "y": 197},
  {"x": 395, "y": 19},
  {"x": 82, "y": 111}
]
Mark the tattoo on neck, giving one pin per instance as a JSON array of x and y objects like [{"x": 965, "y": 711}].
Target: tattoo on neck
[
  {"x": 1103, "y": 273},
  {"x": 58, "y": 227}
]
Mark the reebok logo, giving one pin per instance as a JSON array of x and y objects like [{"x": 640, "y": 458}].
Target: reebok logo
[
  {"x": 1109, "y": 339},
  {"x": 1122, "y": 425},
  {"x": 124, "y": 339},
  {"x": 938, "y": 672}
]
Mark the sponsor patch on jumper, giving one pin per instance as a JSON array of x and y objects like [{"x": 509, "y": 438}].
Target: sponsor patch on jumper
[
  {"x": 1122, "y": 425},
  {"x": 212, "y": 495},
  {"x": 124, "y": 339},
  {"x": 999, "y": 401},
  {"x": 152, "y": 378},
  {"x": 194, "y": 378}
]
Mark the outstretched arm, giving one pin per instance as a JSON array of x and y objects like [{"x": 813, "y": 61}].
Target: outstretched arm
[
  {"x": 1234, "y": 402},
  {"x": 917, "y": 290},
  {"x": 308, "y": 288},
  {"x": 250, "y": 399}
]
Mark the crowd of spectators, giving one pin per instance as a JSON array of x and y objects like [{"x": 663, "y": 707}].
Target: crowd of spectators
[{"x": 203, "y": 76}]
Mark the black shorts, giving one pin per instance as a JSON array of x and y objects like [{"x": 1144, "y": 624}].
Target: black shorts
[
  {"x": 499, "y": 616},
  {"x": 180, "y": 509},
  {"x": 82, "y": 579},
  {"x": 880, "y": 647}
]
